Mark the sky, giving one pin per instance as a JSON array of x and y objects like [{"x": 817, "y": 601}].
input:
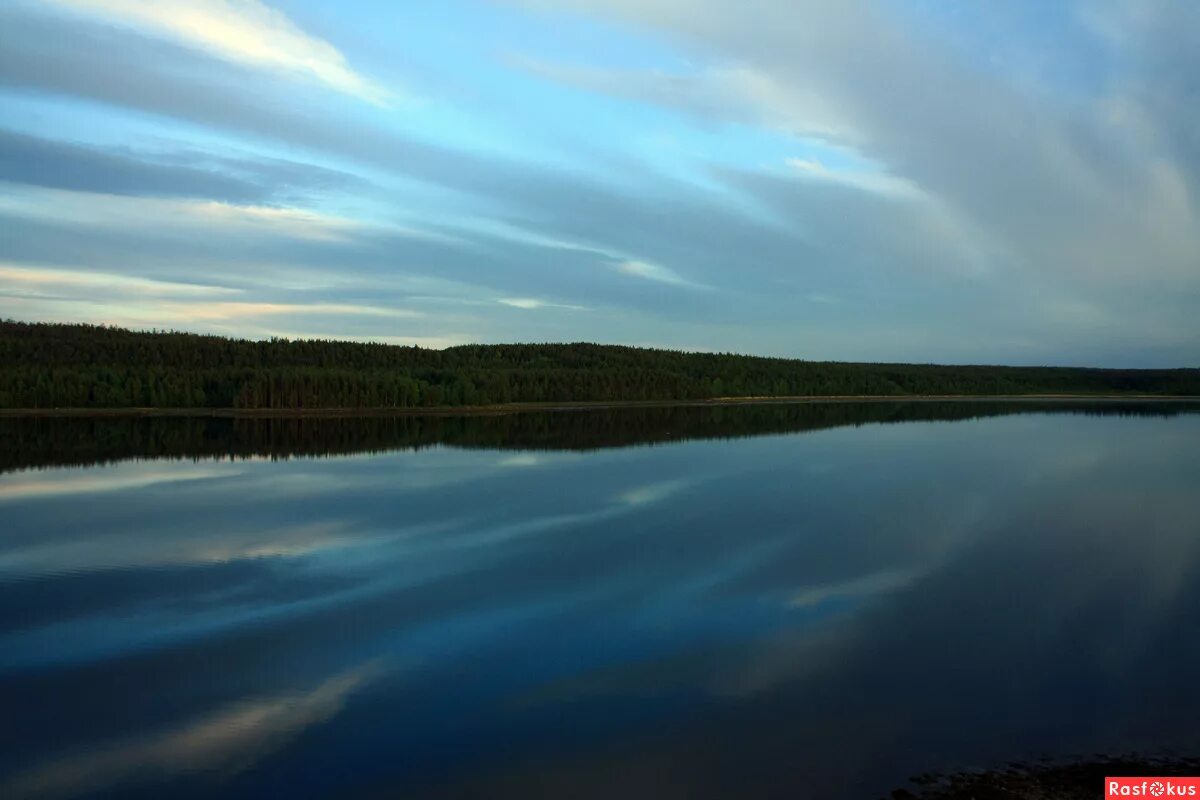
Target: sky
[{"x": 901, "y": 180}]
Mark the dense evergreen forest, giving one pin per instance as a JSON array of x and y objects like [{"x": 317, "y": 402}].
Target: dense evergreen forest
[
  {"x": 85, "y": 366},
  {"x": 33, "y": 441}
]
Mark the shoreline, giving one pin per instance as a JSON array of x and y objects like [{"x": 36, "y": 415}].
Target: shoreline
[{"x": 575, "y": 405}]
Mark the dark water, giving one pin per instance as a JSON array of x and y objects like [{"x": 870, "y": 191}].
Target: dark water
[{"x": 778, "y": 601}]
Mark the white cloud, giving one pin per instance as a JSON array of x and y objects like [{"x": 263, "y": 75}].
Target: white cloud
[
  {"x": 232, "y": 310},
  {"x": 25, "y": 280},
  {"x": 655, "y": 272},
  {"x": 242, "y": 320},
  {"x": 865, "y": 180},
  {"x": 532, "y": 303},
  {"x": 108, "y": 299},
  {"x": 242, "y": 31},
  {"x": 147, "y": 301},
  {"x": 1089, "y": 192},
  {"x": 520, "y": 302},
  {"x": 119, "y": 212},
  {"x": 732, "y": 92},
  {"x": 295, "y": 222}
]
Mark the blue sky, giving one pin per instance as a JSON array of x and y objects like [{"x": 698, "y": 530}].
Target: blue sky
[{"x": 921, "y": 181}]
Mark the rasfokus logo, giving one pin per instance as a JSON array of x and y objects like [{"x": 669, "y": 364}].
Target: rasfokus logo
[{"x": 1151, "y": 787}]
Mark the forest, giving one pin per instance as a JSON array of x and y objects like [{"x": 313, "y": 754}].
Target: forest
[
  {"x": 32, "y": 442},
  {"x": 50, "y": 365}
]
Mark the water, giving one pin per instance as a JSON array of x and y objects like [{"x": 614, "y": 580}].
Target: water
[{"x": 769, "y": 601}]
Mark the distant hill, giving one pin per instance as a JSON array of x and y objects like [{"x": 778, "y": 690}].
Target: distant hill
[{"x": 46, "y": 365}]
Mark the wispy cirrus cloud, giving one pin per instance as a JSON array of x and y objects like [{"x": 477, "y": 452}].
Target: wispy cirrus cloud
[
  {"x": 656, "y": 273},
  {"x": 170, "y": 213},
  {"x": 1067, "y": 171},
  {"x": 242, "y": 31},
  {"x": 296, "y": 222},
  {"x": 77, "y": 295},
  {"x": 533, "y": 303},
  {"x": 140, "y": 311},
  {"x": 728, "y": 92},
  {"x": 28, "y": 280},
  {"x": 865, "y": 180},
  {"x": 233, "y": 310},
  {"x": 715, "y": 178},
  {"x": 165, "y": 169}
]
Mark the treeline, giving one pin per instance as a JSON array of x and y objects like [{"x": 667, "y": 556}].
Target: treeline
[
  {"x": 86, "y": 366},
  {"x": 29, "y": 442}
]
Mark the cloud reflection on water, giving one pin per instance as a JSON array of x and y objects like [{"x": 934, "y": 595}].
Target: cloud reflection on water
[
  {"x": 702, "y": 603},
  {"x": 225, "y": 741}
]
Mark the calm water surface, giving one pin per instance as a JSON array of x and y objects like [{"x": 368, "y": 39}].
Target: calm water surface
[{"x": 779, "y": 602}]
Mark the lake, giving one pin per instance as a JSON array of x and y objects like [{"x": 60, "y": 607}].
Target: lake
[{"x": 814, "y": 600}]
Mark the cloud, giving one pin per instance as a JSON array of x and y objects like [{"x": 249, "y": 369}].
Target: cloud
[
  {"x": 726, "y": 92},
  {"x": 178, "y": 171},
  {"x": 28, "y": 280},
  {"x": 520, "y": 302},
  {"x": 654, "y": 272},
  {"x": 264, "y": 250},
  {"x": 256, "y": 320},
  {"x": 68, "y": 295},
  {"x": 296, "y": 222},
  {"x": 234, "y": 310},
  {"x": 1055, "y": 192},
  {"x": 969, "y": 210},
  {"x": 242, "y": 31},
  {"x": 545, "y": 203},
  {"x": 63, "y": 165},
  {"x": 167, "y": 213},
  {"x": 532, "y": 303},
  {"x": 555, "y": 205},
  {"x": 866, "y": 180}
]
